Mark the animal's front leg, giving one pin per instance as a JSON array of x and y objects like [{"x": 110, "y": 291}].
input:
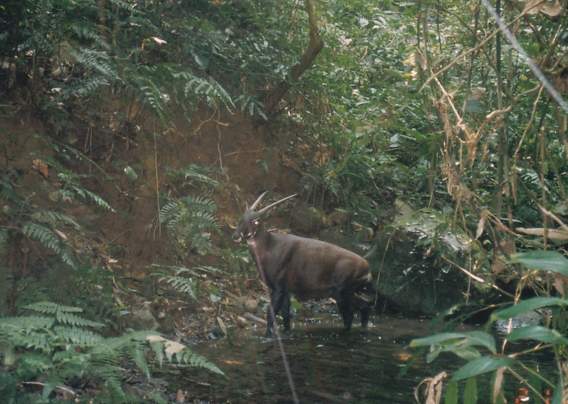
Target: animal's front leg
[
  {"x": 286, "y": 311},
  {"x": 344, "y": 302},
  {"x": 277, "y": 299}
]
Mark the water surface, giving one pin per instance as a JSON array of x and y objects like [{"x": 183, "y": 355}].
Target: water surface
[{"x": 326, "y": 364}]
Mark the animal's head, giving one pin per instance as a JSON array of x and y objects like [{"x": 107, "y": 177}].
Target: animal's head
[{"x": 252, "y": 220}]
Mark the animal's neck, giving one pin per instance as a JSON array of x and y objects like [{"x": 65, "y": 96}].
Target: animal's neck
[{"x": 260, "y": 240}]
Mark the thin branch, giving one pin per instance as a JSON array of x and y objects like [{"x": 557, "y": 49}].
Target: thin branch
[{"x": 476, "y": 278}]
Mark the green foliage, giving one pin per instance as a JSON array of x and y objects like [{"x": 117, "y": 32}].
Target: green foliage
[
  {"x": 189, "y": 222},
  {"x": 49, "y": 238},
  {"x": 471, "y": 345},
  {"x": 194, "y": 175},
  {"x": 37, "y": 215},
  {"x": 185, "y": 280},
  {"x": 59, "y": 345}
]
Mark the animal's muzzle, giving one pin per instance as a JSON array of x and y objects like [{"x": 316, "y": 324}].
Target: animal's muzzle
[{"x": 237, "y": 237}]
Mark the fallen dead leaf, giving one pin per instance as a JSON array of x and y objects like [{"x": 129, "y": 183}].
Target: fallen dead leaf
[{"x": 231, "y": 362}]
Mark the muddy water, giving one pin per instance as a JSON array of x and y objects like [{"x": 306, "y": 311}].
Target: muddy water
[{"x": 326, "y": 365}]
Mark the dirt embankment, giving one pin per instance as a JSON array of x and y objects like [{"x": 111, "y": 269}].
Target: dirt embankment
[{"x": 250, "y": 158}]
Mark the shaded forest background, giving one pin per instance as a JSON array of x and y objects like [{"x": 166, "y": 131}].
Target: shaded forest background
[{"x": 133, "y": 135}]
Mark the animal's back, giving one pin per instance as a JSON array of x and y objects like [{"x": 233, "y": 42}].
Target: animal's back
[{"x": 317, "y": 269}]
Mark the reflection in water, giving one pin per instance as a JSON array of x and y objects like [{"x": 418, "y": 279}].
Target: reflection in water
[{"x": 327, "y": 365}]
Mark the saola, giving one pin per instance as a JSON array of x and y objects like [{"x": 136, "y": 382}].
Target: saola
[{"x": 305, "y": 268}]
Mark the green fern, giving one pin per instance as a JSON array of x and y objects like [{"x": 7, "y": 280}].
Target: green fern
[
  {"x": 184, "y": 285},
  {"x": 50, "y": 216},
  {"x": 45, "y": 347},
  {"x": 196, "y": 174},
  {"x": 49, "y": 239},
  {"x": 182, "y": 279},
  {"x": 73, "y": 188},
  {"x": 189, "y": 222},
  {"x": 96, "y": 61},
  {"x": 143, "y": 82}
]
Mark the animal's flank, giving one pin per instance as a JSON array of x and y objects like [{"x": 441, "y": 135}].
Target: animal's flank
[{"x": 304, "y": 267}]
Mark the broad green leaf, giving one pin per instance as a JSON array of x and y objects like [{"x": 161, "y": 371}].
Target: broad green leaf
[
  {"x": 130, "y": 172},
  {"x": 480, "y": 338},
  {"x": 525, "y": 306},
  {"x": 544, "y": 260},
  {"x": 538, "y": 333},
  {"x": 435, "y": 339},
  {"x": 482, "y": 365},
  {"x": 557, "y": 396},
  {"x": 451, "y": 394},
  {"x": 470, "y": 392},
  {"x": 467, "y": 353},
  {"x": 459, "y": 348}
]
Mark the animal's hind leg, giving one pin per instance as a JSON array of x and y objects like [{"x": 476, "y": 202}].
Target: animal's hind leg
[
  {"x": 365, "y": 307},
  {"x": 285, "y": 311}
]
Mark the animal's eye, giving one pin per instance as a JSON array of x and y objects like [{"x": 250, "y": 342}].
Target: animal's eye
[{"x": 256, "y": 222}]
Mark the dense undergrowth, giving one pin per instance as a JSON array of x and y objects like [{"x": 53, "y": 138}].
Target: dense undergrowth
[{"x": 425, "y": 103}]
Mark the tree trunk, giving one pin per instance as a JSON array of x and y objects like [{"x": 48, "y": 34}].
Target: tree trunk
[{"x": 314, "y": 48}]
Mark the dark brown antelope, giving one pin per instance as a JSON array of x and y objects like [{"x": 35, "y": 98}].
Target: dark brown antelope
[{"x": 305, "y": 268}]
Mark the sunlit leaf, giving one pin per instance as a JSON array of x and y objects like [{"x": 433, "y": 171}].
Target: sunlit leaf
[
  {"x": 544, "y": 260},
  {"x": 478, "y": 338},
  {"x": 467, "y": 353},
  {"x": 482, "y": 365},
  {"x": 130, "y": 172},
  {"x": 537, "y": 333},
  {"x": 526, "y": 306}
]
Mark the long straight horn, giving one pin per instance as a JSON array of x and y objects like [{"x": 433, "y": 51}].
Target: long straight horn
[
  {"x": 265, "y": 209},
  {"x": 255, "y": 204}
]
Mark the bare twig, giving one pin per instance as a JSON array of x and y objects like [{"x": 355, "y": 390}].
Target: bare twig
[{"x": 477, "y": 278}]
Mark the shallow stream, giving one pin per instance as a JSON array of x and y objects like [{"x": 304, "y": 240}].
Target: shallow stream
[{"x": 326, "y": 365}]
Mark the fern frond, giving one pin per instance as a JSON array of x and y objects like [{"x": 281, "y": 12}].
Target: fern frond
[
  {"x": 96, "y": 61},
  {"x": 63, "y": 314},
  {"x": 52, "y": 308},
  {"x": 43, "y": 234},
  {"x": 72, "y": 319},
  {"x": 210, "y": 269},
  {"x": 97, "y": 199},
  {"x": 169, "y": 211},
  {"x": 171, "y": 349},
  {"x": 49, "y": 239},
  {"x": 50, "y": 216},
  {"x": 86, "y": 31},
  {"x": 192, "y": 271},
  {"x": 78, "y": 336},
  {"x": 205, "y": 221},
  {"x": 198, "y": 204},
  {"x": 9, "y": 325},
  {"x": 36, "y": 340},
  {"x": 148, "y": 91},
  {"x": 83, "y": 87},
  {"x": 183, "y": 285},
  {"x": 33, "y": 364}
]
